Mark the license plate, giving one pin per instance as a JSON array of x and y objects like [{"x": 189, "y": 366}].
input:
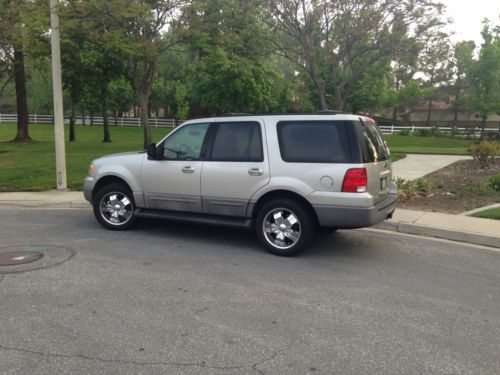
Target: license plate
[{"x": 383, "y": 183}]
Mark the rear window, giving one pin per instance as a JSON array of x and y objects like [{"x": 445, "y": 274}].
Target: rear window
[
  {"x": 240, "y": 141},
  {"x": 371, "y": 142},
  {"x": 314, "y": 142}
]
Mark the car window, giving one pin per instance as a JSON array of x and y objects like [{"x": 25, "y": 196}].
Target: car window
[
  {"x": 314, "y": 142},
  {"x": 371, "y": 142},
  {"x": 185, "y": 143},
  {"x": 237, "y": 141}
]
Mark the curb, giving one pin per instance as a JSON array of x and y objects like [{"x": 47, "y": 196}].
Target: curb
[
  {"x": 447, "y": 234},
  {"x": 40, "y": 204}
]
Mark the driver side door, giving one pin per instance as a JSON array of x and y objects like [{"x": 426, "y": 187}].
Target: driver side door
[{"x": 174, "y": 182}]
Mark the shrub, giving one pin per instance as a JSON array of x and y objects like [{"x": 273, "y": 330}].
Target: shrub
[
  {"x": 492, "y": 135},
  {"x": 435, "y": 132},
  {"x": 423, "y": 132},
  {"x": 484, "y": 153},
  {"x": 454, "y": 132},
  {"x": 494, "y": 182},
  {"x": 405, "y": 132}
]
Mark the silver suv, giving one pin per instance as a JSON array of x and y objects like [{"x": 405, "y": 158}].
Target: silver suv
[{"x": 284, "y": 175}]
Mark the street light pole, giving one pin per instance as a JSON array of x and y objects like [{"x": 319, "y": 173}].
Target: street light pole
[{"x": 58, "y": 98}]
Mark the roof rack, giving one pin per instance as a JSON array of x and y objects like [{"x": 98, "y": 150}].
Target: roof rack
[
  {"x": 330, "y": 112},
  {"x": 234, "y": 114}
]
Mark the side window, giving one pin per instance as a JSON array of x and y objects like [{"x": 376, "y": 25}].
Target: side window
[
  {"x": 314, "y": 142},
  {"x": 186, "y": 143},
  {"x": 237, "y": 141},
  {"x": 371, "y": 142}
]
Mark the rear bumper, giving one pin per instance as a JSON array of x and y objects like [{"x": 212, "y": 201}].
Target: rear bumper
[{"x": 356, "y": 217}]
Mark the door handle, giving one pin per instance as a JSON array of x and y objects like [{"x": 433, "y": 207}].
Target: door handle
[
  {"x": 255, "y": 171},
  {"x": 187, "y": 169}
]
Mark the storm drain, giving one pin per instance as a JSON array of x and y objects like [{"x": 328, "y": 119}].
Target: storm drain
[{"x": 14, "y": 258}]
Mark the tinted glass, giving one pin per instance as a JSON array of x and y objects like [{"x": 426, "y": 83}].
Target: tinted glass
[
  {"x": 314, "y": 142},
  {"x": 186, "y": 143},
  {"x": 371, "y": 142},
  {"x": 237, "y": 141}
]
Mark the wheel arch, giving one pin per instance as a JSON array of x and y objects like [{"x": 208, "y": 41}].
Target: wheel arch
[
  {"x": 282, "y": 194},
  {"x": 107, "y": 180}
]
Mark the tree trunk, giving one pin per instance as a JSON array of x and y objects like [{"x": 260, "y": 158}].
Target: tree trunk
[
  {"x": 429, "y": 111},
  {"x": 339, "y": 100},
  {"x": 91, "y": 118},
  {"x": 144, "y": 98},
  {"x": 395, "y": 115},
  {"x": 483, "y": 125},
  {"x": 105, "y": 124},
  {"x": 21, "y": 98},
  {"x": 72, "y": 120},
  {"x": 455, "y": 114},
  {"x": 116, "y": 118},
  {"x": 83, "y": 118}
]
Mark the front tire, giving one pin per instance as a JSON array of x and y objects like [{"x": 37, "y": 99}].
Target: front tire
[
  {"x": 114, "y": 207},
  {"x": 284, "y": 226}
]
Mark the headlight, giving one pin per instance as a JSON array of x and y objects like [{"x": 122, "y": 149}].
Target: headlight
[{"x": 91, "y": 169}]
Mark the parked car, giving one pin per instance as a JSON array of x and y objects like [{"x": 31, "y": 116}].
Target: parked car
[{"x": 284, "y": 175}]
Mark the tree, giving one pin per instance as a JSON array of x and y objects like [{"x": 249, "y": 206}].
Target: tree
[
  {"x": 461, "y": 63},
  {"x": 339, "y": 41},
  {"x": 435, "y": 65},
  {"x": 230, "y": 49},
  {"x": 12, "y": 35},
  {"x": 484, "y": 75},
  {"x": 147, "y": 40}
]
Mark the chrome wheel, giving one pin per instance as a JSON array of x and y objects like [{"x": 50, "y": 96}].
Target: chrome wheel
[
  {"x": 281, "y": 228},
  {"x": 116, "y": 208}
]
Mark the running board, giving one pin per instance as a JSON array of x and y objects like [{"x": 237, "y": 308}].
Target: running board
[{"x": 187, "y": 217}]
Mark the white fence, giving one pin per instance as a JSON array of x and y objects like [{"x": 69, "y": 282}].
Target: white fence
[
  {"x": 88, "y": 120},
  {"x": 462, "y": 132}
]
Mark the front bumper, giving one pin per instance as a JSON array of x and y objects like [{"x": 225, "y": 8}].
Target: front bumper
[
  {"x": 88, "y": 187},
  {"x": 356, "y": 217}
]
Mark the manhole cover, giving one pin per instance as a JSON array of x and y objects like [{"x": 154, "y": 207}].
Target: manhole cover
[{"x": 19, "y": 257}]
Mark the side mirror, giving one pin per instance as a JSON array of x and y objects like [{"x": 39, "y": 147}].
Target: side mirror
[{"x": 151, "y": 151}]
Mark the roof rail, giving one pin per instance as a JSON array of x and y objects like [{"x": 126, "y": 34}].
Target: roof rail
[
  {"x": 233, "y": 114},
  {"x": 330, "y": 112}
]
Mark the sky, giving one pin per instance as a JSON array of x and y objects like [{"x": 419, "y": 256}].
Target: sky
[{"x": 467, "y": 16}]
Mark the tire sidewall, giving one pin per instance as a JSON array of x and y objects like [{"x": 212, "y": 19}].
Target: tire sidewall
[
  {"x": 119, "y": 188},
  {"x": 307, "y": 225}
]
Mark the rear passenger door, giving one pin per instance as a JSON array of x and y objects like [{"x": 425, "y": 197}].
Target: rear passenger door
[{"x": 234, "y": 169}]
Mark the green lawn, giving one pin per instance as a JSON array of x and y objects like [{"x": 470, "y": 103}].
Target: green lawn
[
  {"x": 31, "y": 166},
  {"x": 494, "y": 213},
  {"x": 427, "y": 145}
]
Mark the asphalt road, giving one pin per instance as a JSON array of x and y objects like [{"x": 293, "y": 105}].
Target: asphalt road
[{"x": 170, "y": 298}]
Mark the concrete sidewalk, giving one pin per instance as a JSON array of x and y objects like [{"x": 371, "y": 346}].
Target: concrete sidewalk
[
  {"x": 452, "y": 227},
  {"x": 414, "y": 166},
  {"x": 45, "y": 199}
]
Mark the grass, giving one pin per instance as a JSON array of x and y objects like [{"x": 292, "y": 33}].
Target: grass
[
  {"x": 493, "y": 213},
  {"x": 427, "y": 145},
  {"x": 397, "y": 156},
  {"x": 31, "y": 166}
]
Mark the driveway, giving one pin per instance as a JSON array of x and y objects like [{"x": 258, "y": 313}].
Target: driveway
[
  {"x": 170, "y": 298},
  {"x": 414, "y": 166}
]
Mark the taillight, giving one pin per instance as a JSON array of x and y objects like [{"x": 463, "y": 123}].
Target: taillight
[{"x": 355, "y": 181}]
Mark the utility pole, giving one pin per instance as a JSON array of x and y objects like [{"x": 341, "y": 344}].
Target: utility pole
[{"x": 58, "y": 98}]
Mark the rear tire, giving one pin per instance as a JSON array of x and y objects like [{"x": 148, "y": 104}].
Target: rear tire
[
  {"x": 114, "y": 207},
  {"x": 285, "y": 226}
]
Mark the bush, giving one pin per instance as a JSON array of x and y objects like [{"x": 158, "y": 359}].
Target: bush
[
  {"x": 454, "y": 132},
  {"x": 405, "y": 132},
  {"x": 484, "y": 153},
  {"x": 435, "y": 132},
  {"x": 492, "y": 135},
  {"x": 494, "y": 182},
  {"x": 423, "y": 132}
]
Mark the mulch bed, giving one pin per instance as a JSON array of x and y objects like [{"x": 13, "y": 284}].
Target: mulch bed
[{"x": 454, "y": 189}]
